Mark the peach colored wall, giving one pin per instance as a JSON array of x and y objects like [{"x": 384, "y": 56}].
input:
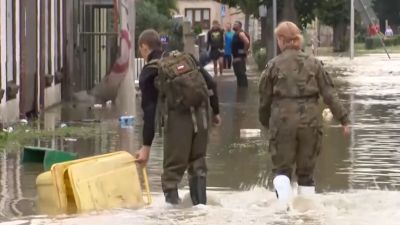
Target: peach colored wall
[{"x": 215, "y": 10}]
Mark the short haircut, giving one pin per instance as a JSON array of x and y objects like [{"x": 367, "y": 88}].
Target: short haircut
[
  {"x": 151, "y": 38},
  {"x": 238, "y": 22},
  {"x": 215, "y": 22}
]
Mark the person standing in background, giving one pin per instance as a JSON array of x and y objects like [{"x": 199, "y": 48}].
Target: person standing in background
[
  {"x": 240, "y": 49},
  {"x": 215, "y": 46},
  {"x": 228, "y": 46}
]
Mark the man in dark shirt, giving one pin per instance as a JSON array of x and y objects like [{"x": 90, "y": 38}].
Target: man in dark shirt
[
  {"x": 215, "y": 45},
  {"x": 240, "y": 48},
  {"x": 183, "y": 148}
]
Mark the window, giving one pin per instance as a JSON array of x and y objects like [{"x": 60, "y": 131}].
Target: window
[{"x": 198, "y": 17}]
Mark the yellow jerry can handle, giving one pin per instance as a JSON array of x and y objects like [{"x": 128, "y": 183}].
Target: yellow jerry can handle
[{"x": 147, "y": 192}]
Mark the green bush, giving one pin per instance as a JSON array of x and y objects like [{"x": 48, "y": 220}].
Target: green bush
[
  {"x": 372, "y": 42},
  {"x": 397, "y": 39},
  {"x": 197, "y": 29},
  {"x": 260, "y": 56},
  {"x": 390, "y": 41},
  {"x": 256, "y": 46}
]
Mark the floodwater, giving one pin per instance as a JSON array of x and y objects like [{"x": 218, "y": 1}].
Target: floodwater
[{"x": 358, "y": 177}]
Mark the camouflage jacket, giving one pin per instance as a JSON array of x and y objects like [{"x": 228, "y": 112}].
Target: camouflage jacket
[{"x": 290, "y": 87}]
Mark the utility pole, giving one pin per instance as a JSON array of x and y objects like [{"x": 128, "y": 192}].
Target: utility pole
[
  {"x": 274, "y": 8},
  {"x": 352, "y": 29}
]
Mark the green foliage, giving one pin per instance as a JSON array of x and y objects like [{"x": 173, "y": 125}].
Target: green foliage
[
  {"x": 257, "y": 45},
  {"x": 164, "y": 7},
  {"x": 260, "y": 57},
  {"x": 305, "y": 8},
  {"x": 388, "y": 10},
  {"x": 375, "y": 42},
  {"x": 23, "y": 134},
  {"x": 197, "y": 29},
  {"x": 333, "y": 12},
  {"x": 372, "y": 42},
  {"x": 148, "y": 16},
  {"x": 392, "y": 41},
  {"x": 175, "y": 36}
]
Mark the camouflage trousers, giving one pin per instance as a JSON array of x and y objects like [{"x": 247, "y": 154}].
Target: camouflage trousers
[
  {"x": 184, "y": 149},
  {"x": 296, "y": 148}
]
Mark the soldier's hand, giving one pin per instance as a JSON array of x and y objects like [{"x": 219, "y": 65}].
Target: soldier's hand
[
  {"x": 142, "y": 156},
  {"x": 217, "y": 120},
  {"x": 346, "y": 130}
]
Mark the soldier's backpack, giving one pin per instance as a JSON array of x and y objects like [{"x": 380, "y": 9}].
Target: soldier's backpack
[
  {"x": 180, "y": 82},
  {"x": 181, "y": 86}
]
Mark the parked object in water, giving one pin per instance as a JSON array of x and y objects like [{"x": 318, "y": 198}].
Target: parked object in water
[
  {"x": 47, "y": 156},
  {"x": 94, "y": 183},
  {"x": 327, "y": 114},
  {"x": 126, "y": 121},
  {"x": 250, "y": 133}
]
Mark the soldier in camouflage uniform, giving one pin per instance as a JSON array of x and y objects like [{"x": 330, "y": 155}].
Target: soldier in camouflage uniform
[
  {"x": 289, "y": 88},
  {"x": 186, "y": 129}
]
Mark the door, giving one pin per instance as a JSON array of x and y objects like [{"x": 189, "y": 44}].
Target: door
[{"x": 28, "y": 41}]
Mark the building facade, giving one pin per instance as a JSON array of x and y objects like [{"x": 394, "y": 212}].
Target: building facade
[
  {"x": 203, "y": 12},
  {"x": 51, "y": 49},
  {"x": 32, "y": 56}
]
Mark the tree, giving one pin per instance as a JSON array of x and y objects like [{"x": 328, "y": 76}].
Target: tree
[
  {"x": 300, "y": 12},
  {"x": 148, "y": 17},
  {"x": 336, "y": 13},
  {"x": 388, "y": 10},
  {"x": 164, "y": 7}
]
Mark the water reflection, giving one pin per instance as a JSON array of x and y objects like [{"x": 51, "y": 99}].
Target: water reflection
[{"x": 368, "y": 159}]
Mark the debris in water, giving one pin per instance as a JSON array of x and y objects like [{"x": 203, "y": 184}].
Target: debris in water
[
  {"x": 97, "y": 106},
  {"x": 250, "y": 133},
  {"x": 8, "y": 130},
  {"x": 109, "y": 103},
  {"x": 126, "y": 121},
  {"x": 71, "y": 139},
  {"x": 24, "y": 122},
  {"x": 327, "y": 114},
  {"x": 17, "y": 222}
]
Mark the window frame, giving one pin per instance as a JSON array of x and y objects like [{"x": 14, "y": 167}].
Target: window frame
[{"x": 205, "y": 24}]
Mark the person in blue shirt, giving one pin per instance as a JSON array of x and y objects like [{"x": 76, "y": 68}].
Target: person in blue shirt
[{"x": 228, "y": 46}]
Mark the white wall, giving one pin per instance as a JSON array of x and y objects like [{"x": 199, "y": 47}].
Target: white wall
[
  {"x": 3, "y": 45},
  {"x": 38, "y": 53},
  {"x": 52, "y": 94},
  {"x": 9, "y": 110}
]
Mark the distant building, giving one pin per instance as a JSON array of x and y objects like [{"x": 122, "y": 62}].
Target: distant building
[{"x": 203, "y": 12}]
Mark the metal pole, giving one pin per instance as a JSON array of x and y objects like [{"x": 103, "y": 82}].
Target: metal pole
[
  {"x": 352, "y": 29},
  {"x": 274, "y": 24}
]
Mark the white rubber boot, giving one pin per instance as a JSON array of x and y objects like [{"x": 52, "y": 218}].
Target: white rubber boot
[
  {"x": 306, "y": 191},
  {"x": 283, "y": 188}
]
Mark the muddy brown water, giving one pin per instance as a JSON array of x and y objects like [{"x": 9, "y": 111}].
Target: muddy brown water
[{"x": 239, "y": 168}]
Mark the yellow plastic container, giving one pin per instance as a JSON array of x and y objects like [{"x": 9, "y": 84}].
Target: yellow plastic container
[{"x": 94, "y": 183}]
